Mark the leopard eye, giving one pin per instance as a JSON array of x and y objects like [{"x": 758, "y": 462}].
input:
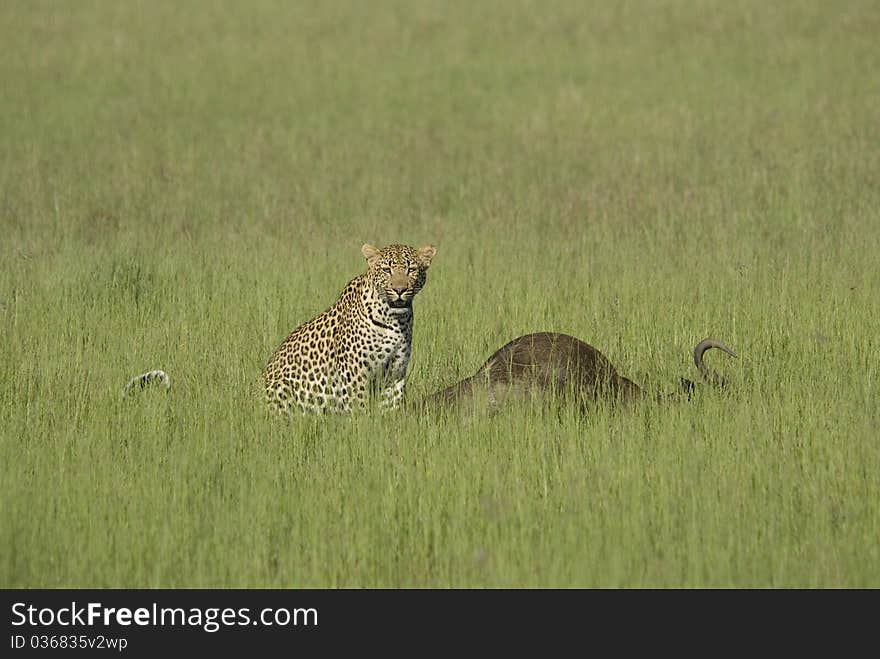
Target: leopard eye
[{"x": 386, "y": 269}]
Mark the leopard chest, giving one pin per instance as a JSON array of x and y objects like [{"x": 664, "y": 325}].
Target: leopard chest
[{"x": 370, "y": 347}]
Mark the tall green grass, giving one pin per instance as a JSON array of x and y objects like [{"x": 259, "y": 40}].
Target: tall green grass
[{"x": 182, "y": 184}]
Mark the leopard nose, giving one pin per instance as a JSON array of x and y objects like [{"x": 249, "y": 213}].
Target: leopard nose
[{"x": 400, "y": 290}]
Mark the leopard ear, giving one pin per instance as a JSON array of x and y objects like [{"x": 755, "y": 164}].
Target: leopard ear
[
  {"x": 370, "y": 253},
  {"x": 427, "y": 253}
]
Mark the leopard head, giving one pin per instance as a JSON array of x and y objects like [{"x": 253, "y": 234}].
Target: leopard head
[{"x": 398, "y": 272}]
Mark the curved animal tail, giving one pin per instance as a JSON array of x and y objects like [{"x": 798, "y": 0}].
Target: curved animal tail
[
  {"x": 709, "y": 376},
  {"x": 144, "y": 380}
]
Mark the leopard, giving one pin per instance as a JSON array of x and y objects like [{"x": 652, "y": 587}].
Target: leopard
[{"x": 358, "y": 347}]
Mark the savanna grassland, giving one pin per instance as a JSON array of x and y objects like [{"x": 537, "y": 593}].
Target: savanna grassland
[{"x": 181, "y": 184}]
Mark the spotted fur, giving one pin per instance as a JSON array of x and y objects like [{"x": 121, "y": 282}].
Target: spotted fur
[{"x": 331, "y": 362}]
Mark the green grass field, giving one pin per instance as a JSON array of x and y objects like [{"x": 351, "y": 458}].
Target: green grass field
[{"x": 181, "y": 184}]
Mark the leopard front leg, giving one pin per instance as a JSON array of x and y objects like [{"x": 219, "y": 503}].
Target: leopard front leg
[
  {"x": 395, "y": 380},
  {"x": 392, "y": 395}
]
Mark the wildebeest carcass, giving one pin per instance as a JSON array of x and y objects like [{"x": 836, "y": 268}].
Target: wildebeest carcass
[{"x": 560, "y": 367}]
